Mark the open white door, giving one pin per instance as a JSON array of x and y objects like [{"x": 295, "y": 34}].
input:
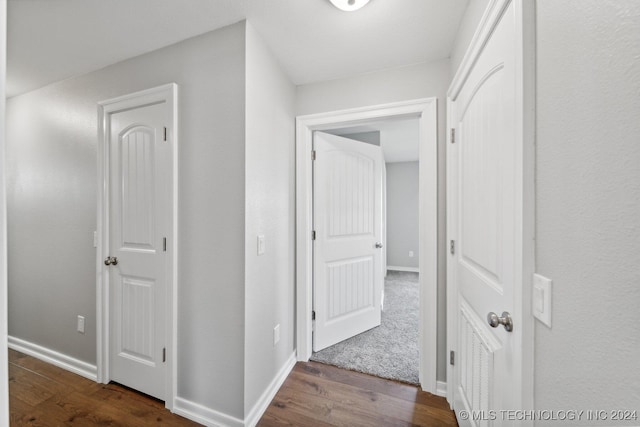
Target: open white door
[
  {"x": 487, "y": 228},
  {"x": 347, "y": 188}
]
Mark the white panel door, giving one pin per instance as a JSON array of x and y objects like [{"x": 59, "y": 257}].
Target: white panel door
[
  {"x": 486, "y": 216},
  {"x": 347, "y": 186},
  {"x": 140, "y": 174}
]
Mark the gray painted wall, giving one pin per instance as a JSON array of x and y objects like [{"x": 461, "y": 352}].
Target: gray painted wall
[
  {"x": 402, "y": 214},
  {"x": 270, "y": 211},
  {"x": 51, "y": 150},
  {"x": 467, "y": 29},
  {"x": 51, "y": 198},
  {"x": 588, "y": 203},
  {"x": 372, "y": 138},
  {"x": 398, "y": 84}
]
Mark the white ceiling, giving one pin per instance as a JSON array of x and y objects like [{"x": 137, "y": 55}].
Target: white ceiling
[
  {"x": 399, "y": 138},
  {"x": 50, "y": 40}
]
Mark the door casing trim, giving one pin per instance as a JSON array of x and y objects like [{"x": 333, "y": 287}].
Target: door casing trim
[
  {"x": 425, "y": 110},
  {"x": 166, "y": 93}
]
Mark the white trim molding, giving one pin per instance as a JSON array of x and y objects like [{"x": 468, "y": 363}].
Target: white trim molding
[
  {"x": 210, "y": 417},
  {"x": 169, "y": 94},
  {"x": 53, "y": 357},
  {"x": 441, "y": 389},
  {"x": 4, "y": 374},
  {"x": 408, "y": 269},
  {"x": 425, "y": 110},
  {"x": 270, "y": 392},
  {"x": 203, "y": 415}
]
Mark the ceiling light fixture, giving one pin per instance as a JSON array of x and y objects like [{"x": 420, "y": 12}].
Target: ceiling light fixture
[{"x": 349, "y": 5}]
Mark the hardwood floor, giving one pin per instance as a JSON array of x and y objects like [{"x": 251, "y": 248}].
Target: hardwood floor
[
  {"x": 41, "y": 394},
  {"x": 321, "y": 395},
  {"x": 313, "y": 395}
]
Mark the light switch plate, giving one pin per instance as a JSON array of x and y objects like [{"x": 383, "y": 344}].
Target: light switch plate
[
  {"x": 276, "y": 334},
  {"x": 261, "y": 244},
  {"x": 80, "y": 325},
  {"x": 542, "y": 299}
]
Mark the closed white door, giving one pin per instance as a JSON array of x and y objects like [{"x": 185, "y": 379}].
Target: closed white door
[
  {"x": 347, "y": 186},
  {"x": 485, "y": 215},
  {"x": 140, "y": 202}
]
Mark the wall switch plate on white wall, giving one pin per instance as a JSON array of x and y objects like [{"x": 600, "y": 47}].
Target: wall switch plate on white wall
[
  {"x": 542, "y": 299},
  {"x": 410, "y": 254},
  {"x": 80, "y": 325},
  {"x": 261, "y": 244},
  {"x": 276, "y": 334}
]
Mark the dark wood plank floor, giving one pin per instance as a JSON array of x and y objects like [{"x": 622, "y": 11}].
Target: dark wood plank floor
[
  {"x": 41, "y": 394},
  {"x": 321, "y": 395},
  {"x": 313, "y": 395}
]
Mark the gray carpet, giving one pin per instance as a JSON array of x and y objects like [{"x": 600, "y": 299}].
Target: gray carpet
[{"x": 391, "y": 349}]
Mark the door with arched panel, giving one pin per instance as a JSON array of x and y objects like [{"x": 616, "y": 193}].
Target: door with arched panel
[{"x": 140, "y": 161}]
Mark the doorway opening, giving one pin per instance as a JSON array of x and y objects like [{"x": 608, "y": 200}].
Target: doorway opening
[
  {"x": 389, "y": 348},
  {"x": 423, "y": 111}
]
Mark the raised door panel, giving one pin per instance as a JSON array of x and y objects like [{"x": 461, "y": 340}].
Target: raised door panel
[
  {"x": 476, "y": 356},
  {"x": 136, "y": 320},
  {"x": 351, "y": 194},
  {"x": 349, "y": 287},
  {"x": 481, "y": 190},
  {"x": 137, "y": 182}
]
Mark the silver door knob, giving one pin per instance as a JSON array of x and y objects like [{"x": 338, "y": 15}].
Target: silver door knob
[
  {"x": 378, "y": 245},
  {"x": 504, "y": 320},
  {"x": 111, "y": 260}
]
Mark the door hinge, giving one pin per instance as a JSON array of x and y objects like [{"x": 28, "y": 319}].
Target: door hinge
[
  {"x": 313, "y": 154},
  {"x": 453, "y": 135},
  {"x": 313, "y": 315},
  {"x": 313, "y": 235},
  {"x": 452, "y": 357},
  {"x": 164, "y": 354},
  {"x": 452, "y": 247},
  {"x": 164, "y": 244}
]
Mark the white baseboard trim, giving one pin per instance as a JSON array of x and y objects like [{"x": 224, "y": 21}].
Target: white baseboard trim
[
  {"x": 212, "y": 418},
  {"x": 267, "y": 396},
  {"x": 410, "y": 269},
  {"x": 203, "y": 415},
  {"x": 56, "y": 358},
  {"x": 441, "y": 388}
]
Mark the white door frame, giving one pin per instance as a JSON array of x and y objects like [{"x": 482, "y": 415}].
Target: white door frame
[
  {"x": 525, "y": 128},
  {"x": 4, "y": 373},
  {"x": 426, "y": 111},
  {"x": 167, "y": 93}
]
